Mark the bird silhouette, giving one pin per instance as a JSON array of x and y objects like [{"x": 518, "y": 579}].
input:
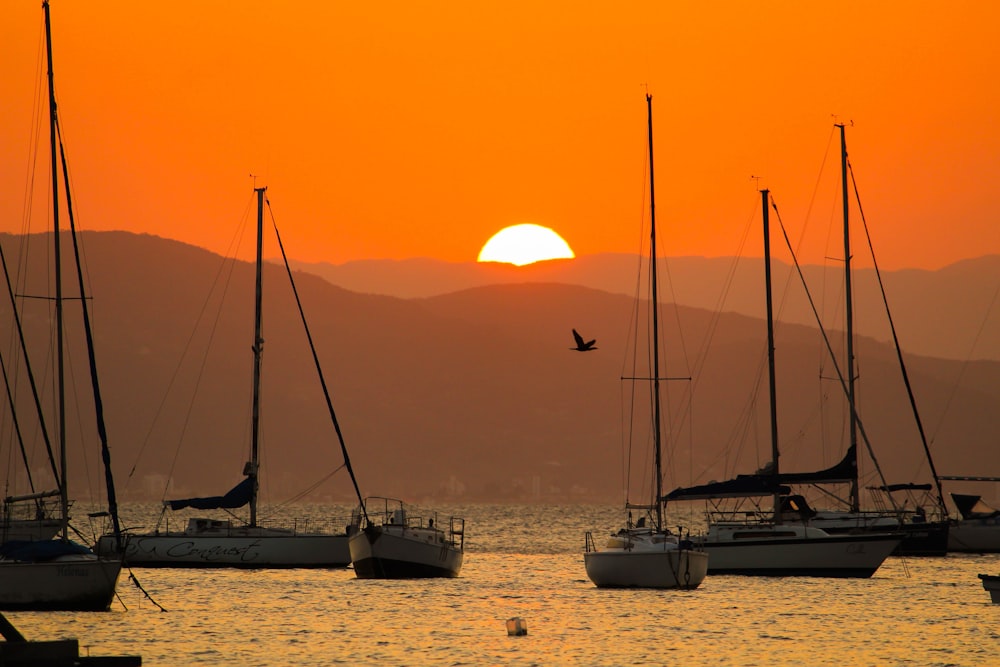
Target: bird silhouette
[{"x": 581, "y": 345}]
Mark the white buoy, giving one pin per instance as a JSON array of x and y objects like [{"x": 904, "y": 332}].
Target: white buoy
[{"x": 517, "y": 627}]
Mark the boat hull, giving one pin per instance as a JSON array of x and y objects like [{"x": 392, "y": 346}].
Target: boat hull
[
  {"x": 248, "y": 551},
  {"x": 980, "y": 536},
  {"x": 60, "y": 585},
  {"x": 671, "y": 568},
  {"x": 396, "y": 552},
  {"x": 992, "y": 584},
  {"x": 767, "y": 552},
  {"x": 927, "y": 539},
  {"x": 920, "y": 538}
]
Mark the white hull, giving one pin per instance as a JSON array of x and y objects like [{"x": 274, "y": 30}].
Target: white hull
[
  {"x": 920, "y": 537},
  {"x": 239, "y": 548},
  {"x": 975, "y": 536},
  {"x": 403, "y": 552},
  {"x": 674, "y": 568},
  {"x": 644, "y": 558},
  {"x": 794, "y": 550},
  {"x": 65, "y": 584}
]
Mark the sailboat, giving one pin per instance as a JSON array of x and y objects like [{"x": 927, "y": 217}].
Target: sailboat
[
  {"x": 761, "y": 543},
  {"x": 977, "y": 530},
  {"x": 925, "y": 533},
  {"x": 57, "y": 574},
  {"x": 219, "y": 543},
  {"x": 391, "y": 541},
  {"x": 642, "y": 555}
]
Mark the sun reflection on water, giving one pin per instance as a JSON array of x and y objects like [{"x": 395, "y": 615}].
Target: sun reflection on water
[{"x": 527, "y": 561}]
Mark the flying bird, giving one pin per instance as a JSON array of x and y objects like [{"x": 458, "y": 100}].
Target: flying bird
[{"x": 581, "y": 345}]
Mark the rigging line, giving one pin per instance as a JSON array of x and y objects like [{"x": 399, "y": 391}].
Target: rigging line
[
  {"x": 31, "y": 376},
  {"x": 745, "y": 417},
  {"x": 35, "y": 130},
  {"x": 632, "y": 334},
  {"x": 965, "y": 364},
  {"x": 80, "y": 268},
  {"x": 17, "y": 429},
  {"x": 899, "y": 351},
  {"x": 312, "y": 487},
  {"x": 808, "y": 217},
  {"x": 319, "y": 368},
  {"x": 91, "y": 353},
  {"x": 826, "y": 340},
  {"x": 720, "y": 303},
  {"x": 816, "y": 186},
  {"x": 227, "y": 262}
]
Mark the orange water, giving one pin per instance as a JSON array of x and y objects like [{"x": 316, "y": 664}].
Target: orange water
[{"x": 527, "y": 561}]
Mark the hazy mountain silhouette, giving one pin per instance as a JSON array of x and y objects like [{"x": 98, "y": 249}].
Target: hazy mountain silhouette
[
  {"x": 945, "y": 313},
  {"x": 472, "y": 394}
]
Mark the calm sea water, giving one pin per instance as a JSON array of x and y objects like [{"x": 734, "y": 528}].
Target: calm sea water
[{"x": 527, "y": 561}]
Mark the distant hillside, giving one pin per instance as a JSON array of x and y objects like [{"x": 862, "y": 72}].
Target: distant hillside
[
  {"x": 471, "y": 395},
  {"x": 953, "y": 313}
]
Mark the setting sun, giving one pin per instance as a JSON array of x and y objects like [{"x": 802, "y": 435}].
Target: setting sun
[{"x": 525, "y": 244}]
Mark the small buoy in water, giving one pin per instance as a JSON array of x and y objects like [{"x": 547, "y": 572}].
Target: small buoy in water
[{"x": 517, "y": 627}]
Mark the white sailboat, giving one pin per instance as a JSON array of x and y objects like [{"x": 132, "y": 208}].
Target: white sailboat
[
  {"x": 925, "y": 529},
  {"x": 641, "y": 555},
  {"x": 221, "y": 543},
  {"x": 57, "y": 574},
  {"x": 977, "y": 530},
  {"x": 761, "y": 543},
  {"x": 392, "y": 542}
]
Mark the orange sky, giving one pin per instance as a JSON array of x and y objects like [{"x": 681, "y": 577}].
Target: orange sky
[{"x": 420, "y": 129}]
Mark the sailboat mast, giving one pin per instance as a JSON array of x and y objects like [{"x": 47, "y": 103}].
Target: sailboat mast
[
  {"x": 656, "y": 333},
  {"x": 770, "y": 344},
  {"x": 258, "y": 349},
  {"x": 57, "y": 259},
  {"x": 849, "y": 320}
]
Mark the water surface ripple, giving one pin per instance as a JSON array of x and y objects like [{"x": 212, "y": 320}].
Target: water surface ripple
[{"x": 527, "y": 561}]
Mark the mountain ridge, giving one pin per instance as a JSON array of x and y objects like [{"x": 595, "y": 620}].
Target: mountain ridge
[
  {"x": 471, "y": 395},
  {"x": 934, "y": 310}
]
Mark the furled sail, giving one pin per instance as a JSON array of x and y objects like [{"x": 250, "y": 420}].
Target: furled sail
[
  {"x": 238, "y": 496},
  {"x": 768, "y": 484},
  {"x": 841, "y": 473},
  {"x": 743, "y": 486}
]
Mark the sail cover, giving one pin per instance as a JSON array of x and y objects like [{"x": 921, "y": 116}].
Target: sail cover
[
  {"x": 746, "y": 486},
  {"x": 27, "y": 551},
  {"x": 743, "y": 486},
  {"x": 238, "y": 496},
  {"x": 841, "y": 473}
]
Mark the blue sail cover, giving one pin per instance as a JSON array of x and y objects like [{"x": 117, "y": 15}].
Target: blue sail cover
[
  {"x": 27, "y": 551},
  {"x": 238, "y": 496}
]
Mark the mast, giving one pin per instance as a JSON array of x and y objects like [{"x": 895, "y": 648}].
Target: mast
[
  {"x": 656, "y": 306},
  {"x": 258, "y": 349},
  {"x": 849, "y": 321},
  {"x": 770, "y": 346},
  {"x": 60, "y": 362}
]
